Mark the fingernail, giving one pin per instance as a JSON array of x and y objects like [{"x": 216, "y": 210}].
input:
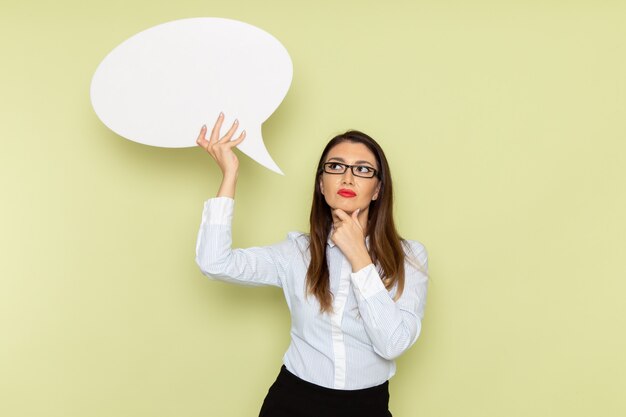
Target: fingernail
[
  {"x": 236, "y": 120},
  {"x": 204, "y": 126},
  {"x": 221, "y": 114}
]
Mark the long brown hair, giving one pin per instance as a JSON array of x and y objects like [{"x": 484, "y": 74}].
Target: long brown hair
[{"x": 385, "y": 245}]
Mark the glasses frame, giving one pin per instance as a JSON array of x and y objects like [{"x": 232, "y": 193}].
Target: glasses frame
[{"x": 345, "y": 168}]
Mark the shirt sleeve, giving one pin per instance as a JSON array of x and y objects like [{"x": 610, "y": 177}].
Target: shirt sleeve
[
  {"x": 393, "y": 326},
  {"x": 217, "y": 260}
]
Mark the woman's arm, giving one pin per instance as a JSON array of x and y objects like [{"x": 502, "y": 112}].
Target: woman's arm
[
  {"x": 393, "y": 326},
  {"x": 214, "y": 256},
  {"x": 266, "y": 265}
]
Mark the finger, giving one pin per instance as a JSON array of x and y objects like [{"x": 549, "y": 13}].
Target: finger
[
  {"x": 230, "y": 132},
  {"x": 215, "y": 133},
  {"x": 237, "y": 141},
  {"x": 355, "y": 215},
  {"x": 341, "y": 214},
  {"x": 355, "y": 218},
  {"x": 201, "y": 141}
]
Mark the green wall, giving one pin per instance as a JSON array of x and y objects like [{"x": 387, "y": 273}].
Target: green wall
[{"x": 505, "y": 126}]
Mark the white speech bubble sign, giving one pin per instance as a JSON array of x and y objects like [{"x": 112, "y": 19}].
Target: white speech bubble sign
[{"x": 161, "y": 85}]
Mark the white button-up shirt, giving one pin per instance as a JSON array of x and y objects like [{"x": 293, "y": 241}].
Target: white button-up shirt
[{"x": 354, "y": 346}]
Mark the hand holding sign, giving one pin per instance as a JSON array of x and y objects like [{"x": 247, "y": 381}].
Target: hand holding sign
[
  {"x": 221, "y": 148},
  {"x": 160, "y": 85}
]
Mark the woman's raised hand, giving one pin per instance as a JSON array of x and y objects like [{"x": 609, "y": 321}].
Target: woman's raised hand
[{"x": 221, "y": 149}]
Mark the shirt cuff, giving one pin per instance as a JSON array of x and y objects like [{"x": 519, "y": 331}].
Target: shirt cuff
[
  {"x": 218, "y": 210},
  {"x": 367, "y": 282}
]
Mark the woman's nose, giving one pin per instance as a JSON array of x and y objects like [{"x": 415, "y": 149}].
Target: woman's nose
[{"x": 348, "y": 177}]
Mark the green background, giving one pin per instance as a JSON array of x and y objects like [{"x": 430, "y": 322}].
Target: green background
[{"x": 504, "y": 123}]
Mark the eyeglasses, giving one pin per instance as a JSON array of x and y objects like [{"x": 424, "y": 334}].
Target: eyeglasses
[{"x": 362, "y": 171}]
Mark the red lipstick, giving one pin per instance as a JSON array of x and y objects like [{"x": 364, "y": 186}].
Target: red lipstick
[{"x": 344, "y": 192}]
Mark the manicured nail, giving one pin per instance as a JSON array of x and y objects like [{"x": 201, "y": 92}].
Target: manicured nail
[
  {"x": 204, "y": 126},
  {"x": 236, "y": 121}
]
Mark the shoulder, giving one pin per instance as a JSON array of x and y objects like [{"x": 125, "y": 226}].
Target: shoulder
[
  {"x": 416, "y": 253},
  {"x": 299, "y": 239},
  {"x": 299, "y": 243},
  {"x": 414, "y": 248}
]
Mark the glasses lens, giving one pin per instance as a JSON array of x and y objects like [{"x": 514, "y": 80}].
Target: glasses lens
[
  {"x": 334, "y": 168},
  {"x": 363, "y": 171}
]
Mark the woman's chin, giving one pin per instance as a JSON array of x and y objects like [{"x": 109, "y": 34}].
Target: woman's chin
[{"x": 347, "y": 206}]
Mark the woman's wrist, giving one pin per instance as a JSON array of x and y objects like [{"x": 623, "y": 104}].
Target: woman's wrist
[
  {"x": 228, "y": 185},
  {"x": 360, "y": 261}
]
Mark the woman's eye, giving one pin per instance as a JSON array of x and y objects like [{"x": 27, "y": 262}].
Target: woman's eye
[
  {"x": 363, "y": 169},
  {"x": 335, "y": 167}
]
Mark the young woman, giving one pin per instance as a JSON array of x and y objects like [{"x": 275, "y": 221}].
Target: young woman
[{"x": 355, "y": 289}]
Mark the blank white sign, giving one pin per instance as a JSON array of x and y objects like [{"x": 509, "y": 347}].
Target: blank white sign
[{"x": 161, "y": 85}]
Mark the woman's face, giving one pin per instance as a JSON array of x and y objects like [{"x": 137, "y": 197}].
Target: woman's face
[{"x": 347, "y": 191}]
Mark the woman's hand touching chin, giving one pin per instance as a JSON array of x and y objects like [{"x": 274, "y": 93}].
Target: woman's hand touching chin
[{"x": 349, "y": 236}]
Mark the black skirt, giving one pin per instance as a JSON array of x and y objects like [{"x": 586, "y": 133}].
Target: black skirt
[{"x": 291, "y": 396}]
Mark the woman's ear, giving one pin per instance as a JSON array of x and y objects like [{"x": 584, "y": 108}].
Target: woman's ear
[
  {"x": 375, "y": 196},
  {"x": 321, "y": 186}
]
